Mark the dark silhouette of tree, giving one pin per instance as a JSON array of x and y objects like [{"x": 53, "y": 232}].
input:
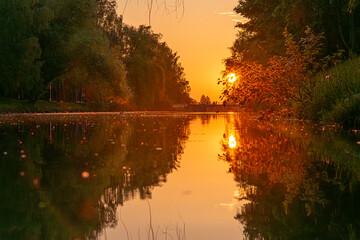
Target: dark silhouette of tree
[{"x": 205, "y": 100}]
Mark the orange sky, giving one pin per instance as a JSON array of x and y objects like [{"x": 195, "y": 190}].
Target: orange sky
[{"x": 201, "y": 38}]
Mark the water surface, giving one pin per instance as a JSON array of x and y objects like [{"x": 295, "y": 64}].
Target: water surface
[{"x": 176, "y": 176}]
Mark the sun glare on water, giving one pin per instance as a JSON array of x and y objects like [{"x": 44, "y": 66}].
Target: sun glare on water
[{"x": 232, "y": 142}]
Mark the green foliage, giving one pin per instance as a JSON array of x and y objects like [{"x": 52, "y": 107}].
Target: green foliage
[
  {"x": 20, "y": 50},
  {"x": 260, "y": 37},
  {"x": 78, "y": 58},
  {"x": 346, "y": 112},
  {"x": 337, "y": 94},
  {"x": 284, "y": 80},
  {"x": 74, "y": 51},
  {"x": 154, "y": 73}
]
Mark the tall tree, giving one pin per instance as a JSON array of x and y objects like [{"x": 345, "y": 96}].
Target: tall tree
[
  {"x": 261, "y": 36},
  {"x": 153, "y": 71},
  {"x": 78, "y": 50},
  {"x": 21, "y": 22},
  {"x": 205, "y": 100},
  {"x": 78, "y": 56}
]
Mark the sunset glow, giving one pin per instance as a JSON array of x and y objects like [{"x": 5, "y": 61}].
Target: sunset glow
[
  {"x": 231, "y": 77},
  {"x": 174, "y": 119},
  {"x": 232, "y": 142},
  {"x": 205, "y": 25}
]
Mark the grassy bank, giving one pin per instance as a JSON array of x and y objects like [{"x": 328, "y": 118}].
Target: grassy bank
[
  {"x": 19, "y": 106},
  {"x": 336, "y": 95}
]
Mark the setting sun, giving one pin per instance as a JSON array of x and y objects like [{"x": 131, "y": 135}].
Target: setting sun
[
  {"x": 129, "y": 119},
  {"x": 231, "y": 77}
]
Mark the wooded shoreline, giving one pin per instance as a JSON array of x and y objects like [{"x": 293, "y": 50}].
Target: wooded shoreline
[{"x": 8, "y": 106}]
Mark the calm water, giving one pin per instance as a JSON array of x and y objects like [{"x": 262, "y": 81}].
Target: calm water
[{"x": 194, "y": 177}]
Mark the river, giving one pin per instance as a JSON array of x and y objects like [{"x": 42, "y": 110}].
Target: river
[{"x": 111, "y": 176}]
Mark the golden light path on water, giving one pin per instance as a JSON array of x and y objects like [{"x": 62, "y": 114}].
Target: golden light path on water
[
  {"x": 89, "y": 164},
  {"x": 232, "y": 142},
  {"x": 200, "y": 196}
]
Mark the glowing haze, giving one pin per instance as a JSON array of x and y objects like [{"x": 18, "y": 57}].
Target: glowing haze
[{"x": 201, "y": 37}]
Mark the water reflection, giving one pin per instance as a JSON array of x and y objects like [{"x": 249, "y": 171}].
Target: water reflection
[
  {"x": 299, "y": 182},
  {"x": 206, "y": 118},
  {"x": 64, "y": 177},
  {"x": 232, "y": 142}
]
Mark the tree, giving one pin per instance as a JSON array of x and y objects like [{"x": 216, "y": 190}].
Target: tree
[
  {"x": 205, "y": 100},
  {"x": 82, "y": 50},
  {"x": 153, "y": 71},
  {"x": 283, "y": 81},
  {"x": 78, "y": 57},
  {"x": 61, "y": 43},
  {"x": 21, "y": 23},
  {"x": 260, "y": 37}
]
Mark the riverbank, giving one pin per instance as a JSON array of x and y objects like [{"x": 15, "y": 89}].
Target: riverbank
[
  {"x": 20, "y": 106},
  {"x": 335, "y": 96},
  {"x": 8, "y": 105}
]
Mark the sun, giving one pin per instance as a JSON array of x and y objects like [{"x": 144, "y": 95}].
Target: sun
[{"x": 231, "y": 77}]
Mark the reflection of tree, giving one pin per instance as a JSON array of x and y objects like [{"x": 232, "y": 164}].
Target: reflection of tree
[
  {"x": 205, "y": 119},
  {"x": 43, "y": 194},
  {"x": 261, "y": 152},
  {"x": 300, "y": 185}
]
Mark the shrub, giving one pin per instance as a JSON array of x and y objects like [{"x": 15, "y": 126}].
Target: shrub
[
  {"x": 336, "y": 95},
  {"x": 285, "y": 81}
]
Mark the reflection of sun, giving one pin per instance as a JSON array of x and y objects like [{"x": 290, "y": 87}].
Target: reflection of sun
[
  {"x": 232, "y": 142},
  {"x": 231, "y": 77}
]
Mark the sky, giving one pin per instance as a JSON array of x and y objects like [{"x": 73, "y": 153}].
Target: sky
[{"x": 201, "y": 36}]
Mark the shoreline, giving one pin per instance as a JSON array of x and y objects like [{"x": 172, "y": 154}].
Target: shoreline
[
  {"x": 15, "y": 106},
  {"x": 122, "y": 113}
]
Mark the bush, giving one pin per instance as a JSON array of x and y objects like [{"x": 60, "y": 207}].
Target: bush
[
  {"x": 336, "y": 95},
  {"x": 284, "y": 81},
  {"x": 345, "y": 112}
]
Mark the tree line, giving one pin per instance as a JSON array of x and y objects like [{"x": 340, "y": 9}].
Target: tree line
[
  {"x": 69, "y": 50},
  {"x": 261, "y": 37},
  {"x": 283, "y": 46}
]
